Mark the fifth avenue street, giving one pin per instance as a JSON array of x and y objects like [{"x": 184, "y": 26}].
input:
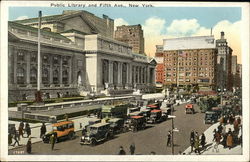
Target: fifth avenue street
[{"x": 154, "y": 138}]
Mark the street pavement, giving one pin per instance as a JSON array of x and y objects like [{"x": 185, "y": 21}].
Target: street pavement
[{"x": 154, "y": 138}]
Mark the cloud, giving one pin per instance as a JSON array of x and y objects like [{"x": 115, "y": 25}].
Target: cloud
[
  {"x": 153, "y": 26},
  {"x": 119, "y": 22},
  {"x": 183, "y": 27},
  {"x": 22, "y": 17},
  {"x": 155, "y": 30}
]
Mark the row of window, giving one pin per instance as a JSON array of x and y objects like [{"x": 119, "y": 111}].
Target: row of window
[
  {"x": 190, "y": 69},
  {"x": 188, "y": 58},
  {"x": 21, "y": 76},
  {"x": 114, "y": 46},
  {"x": 201, "y": 74},
  {"x": 189, "y": 54},
  {"x": 45, "y": 58}
]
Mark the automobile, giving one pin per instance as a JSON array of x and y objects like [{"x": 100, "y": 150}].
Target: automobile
[
  {"x": 133, "y": 109},
  {"x": 210, "y": 117},
  {"x": 116, "y": 124},
  {"x": 165, "y": 113},
  {"x": 61, "y": 130},
  {"x": 136, "y": 113},
  {"x": 146, "y": 113},
  {"x": 155, "y": 116},
  {"x": 153, "y": 106},
  {"x": 189, "y": 109},
  {"x": 97, "y": 133},
  {"x": 135, "y": 123},
  {"x": 217, "y": 110}
]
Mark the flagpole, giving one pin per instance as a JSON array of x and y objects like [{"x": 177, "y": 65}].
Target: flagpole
[
  {"x": 39, "y": 53},
  {"x": 38, "y": 93}
]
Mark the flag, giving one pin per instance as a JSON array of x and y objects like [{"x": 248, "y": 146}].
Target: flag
[{"x": 182, "y": 54}]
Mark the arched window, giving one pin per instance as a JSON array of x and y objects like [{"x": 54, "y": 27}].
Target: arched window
[
  {"x": 33, "y": 76},
  {"x": 105, "y": 72},
  {"x": 45, "y": 76},
  {"x": 20, "y": 76},
  {"x": 55, "y": 77},
  {"x": 65, "y": 77}
]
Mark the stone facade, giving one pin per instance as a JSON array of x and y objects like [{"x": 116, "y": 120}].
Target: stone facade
[
  {"x": 82, "y": 58},
  {"x": 63, "y": 63},
  {"x": 224, "y": 63},
  {"x": 133, "y": 35}
]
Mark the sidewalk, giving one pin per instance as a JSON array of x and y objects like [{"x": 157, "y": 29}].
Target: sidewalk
[
  {"x": 35, "y": 129},
  {"x": 210, "y": 150}
]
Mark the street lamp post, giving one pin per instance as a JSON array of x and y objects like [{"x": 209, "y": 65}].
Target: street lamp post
[{"x": 173, "y": 129}]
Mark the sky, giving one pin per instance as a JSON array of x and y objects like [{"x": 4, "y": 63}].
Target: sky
[{"x": 159, "y": 23}]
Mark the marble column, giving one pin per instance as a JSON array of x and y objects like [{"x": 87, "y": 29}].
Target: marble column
[
  {"x": 110, "y": 71},
  {"x": 119, "y": 73},
  {"x": 128, "y": 69},
  {"x": 28, "y": 67},
  {"x": 70, "y": 70},
  {"x": 60, "y": 69}
]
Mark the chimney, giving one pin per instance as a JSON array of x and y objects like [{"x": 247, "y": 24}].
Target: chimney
[{"x": 222, "y": 35}]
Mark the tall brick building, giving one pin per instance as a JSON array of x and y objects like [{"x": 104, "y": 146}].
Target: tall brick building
[
  {"x": 189, "y": 61},
  {"x": 224, "y": 63},
  {"x": 133, "y": 35},
  {"x": 160, "y": 67}
]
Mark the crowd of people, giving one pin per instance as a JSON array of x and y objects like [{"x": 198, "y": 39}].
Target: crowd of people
[
  {"x": 231, "y": 137},
  {"x": 23, "y": 129},
  {"x": 196, "y": 141}
]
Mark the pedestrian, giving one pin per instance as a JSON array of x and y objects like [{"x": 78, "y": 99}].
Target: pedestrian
[
  {"x": 222, "y": 120},
  {"x": 203, "y": 140},
  {"x": 169, "y": 139},
  {"x": 20, "y": 130},
  {"x": 10, "y": 138},
  {"x": 28, "y": 146},
  {"x": 132, "y": 149},
  {"x": 66, "y": 117},
  {"x": 220, "y": 128},
  {"x": 214, "y": 134},
  {"x": 28, "y": 130},
  {"x": 197, "y": 145},
  {"x": 26, "y": 125},
  {"x": 217, "y": 138},
  {"x": 192, "y": 135},
  {"x": 21, "y": 127},
  {"x": 224, "y": 140},
  {"x": 52, "y": 141},
  {"x": 229, "y": 141},
  {"x": 16, "y": 139},
  {"x": 43, "y": 130},
  {"x": 236, "y": 126},
  {"x": 229, "y": 131},
  {"x": 240, "y": 140},
  {"x": 121, "y": 151},
  {"x": 192, "y": 144}
]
